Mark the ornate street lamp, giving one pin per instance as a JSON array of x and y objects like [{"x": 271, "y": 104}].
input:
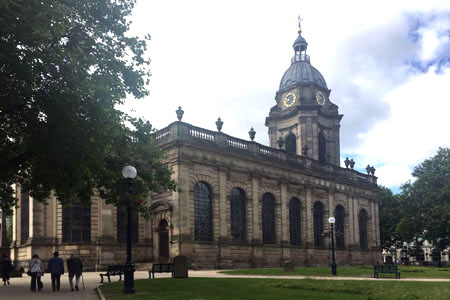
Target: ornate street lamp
[
  {"x": 332, "y": 220},
  {"x": 129, "y": 173}
]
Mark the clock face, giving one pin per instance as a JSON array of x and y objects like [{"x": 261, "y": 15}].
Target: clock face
[
  {"x": 320, "y": 98},
  {"x": 289, "y": 99}
]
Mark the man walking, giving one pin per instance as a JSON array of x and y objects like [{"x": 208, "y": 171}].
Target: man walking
[
  {"x": 6, "y": 267},
  {"x": 75, "y": 268},
  {"x": 56, "y": 269}
]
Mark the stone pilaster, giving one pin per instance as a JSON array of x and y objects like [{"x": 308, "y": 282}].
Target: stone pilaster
[
  {"x": 309, "y": 218},
  {"x": 331, "y": 212},
  {"x": 284, "y": 213},
  {"x": 223, "y": 229},
  {"x": 256, "y": 220},
  {"x": 350, "y": 240},
  {"x": 284, "y": 222}
]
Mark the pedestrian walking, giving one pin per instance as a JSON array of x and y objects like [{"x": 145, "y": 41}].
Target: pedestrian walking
[
  {"x": 56, "y": 269},
  {"x": 6, "y": 267},
  {"x": 36, "y": 270},
  {"x": 75, "y": 268}
]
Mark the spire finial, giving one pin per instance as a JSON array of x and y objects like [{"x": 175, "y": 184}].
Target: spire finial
[{"x": 299, "y": 24}]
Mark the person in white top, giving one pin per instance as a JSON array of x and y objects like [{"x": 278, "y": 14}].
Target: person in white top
[{"x": 36, "y": 270}]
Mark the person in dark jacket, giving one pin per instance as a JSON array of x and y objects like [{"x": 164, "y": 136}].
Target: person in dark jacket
[
  {"x": 56, "y": 269},
  {"x": 6, "y": 267},
  {"x": 75, "y": 268}
]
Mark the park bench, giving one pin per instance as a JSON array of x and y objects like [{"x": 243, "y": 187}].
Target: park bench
[
  {"x": 389, "y": 269},
  {"x": 113, "y": 270},
  {"x": 160, "y": 268}
]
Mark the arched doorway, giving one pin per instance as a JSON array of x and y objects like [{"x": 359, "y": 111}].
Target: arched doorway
[{"x": 163, "y": 241}]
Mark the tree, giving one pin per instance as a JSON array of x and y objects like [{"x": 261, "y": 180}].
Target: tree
[
  {"x": 390, "y": 214},
  {"x": 426, "y": 201},
  {"x": 65, "y": 65}
]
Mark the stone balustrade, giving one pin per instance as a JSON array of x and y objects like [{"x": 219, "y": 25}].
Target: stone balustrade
[{"x": 186, "y": 132}]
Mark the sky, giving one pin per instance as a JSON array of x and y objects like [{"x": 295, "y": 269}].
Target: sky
[{"x": 387, "y": 64}]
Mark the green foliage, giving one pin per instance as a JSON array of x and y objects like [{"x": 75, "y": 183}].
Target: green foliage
[
  {"x": 390, "y": 214},
  {"x": 426, "y": 201},
  {"x": 65, "y": 65}
]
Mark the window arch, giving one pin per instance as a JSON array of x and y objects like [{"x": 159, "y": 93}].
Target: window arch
[
  {"x": 268, "y": 218},
  {"x": 339, "y": 230},
  {"x": 322, "y": 148},
  {"x": 318, "y": 224},
  {"x": 363, "y": 229},
  {"x": 238, "y": 215},
  {"x": 294, "y": 222},
  {"x": 203, "y": 212},
  {"x": 76, "y": 222},
  {"x": 291, "y": 144}
]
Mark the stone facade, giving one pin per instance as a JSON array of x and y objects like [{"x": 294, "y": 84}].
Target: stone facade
[
  {"x": 45, "y": 235},
  {"x": 285, "y": 194},
  {"x": 224, "y": 162}
]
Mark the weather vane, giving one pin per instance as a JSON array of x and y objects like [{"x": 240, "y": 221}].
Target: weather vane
[{"x": 299, "y": 23}]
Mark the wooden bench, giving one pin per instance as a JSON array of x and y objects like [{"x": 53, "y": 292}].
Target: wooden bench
[
  {"x": 113, "y": 270},
  {"x": 389, "y": 269},
  {"x": 160, "y": 268}
]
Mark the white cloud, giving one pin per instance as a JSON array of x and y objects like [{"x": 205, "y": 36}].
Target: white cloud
[
  {"x": 418, "y": 125},
  {"x": 226, "y": 59}
]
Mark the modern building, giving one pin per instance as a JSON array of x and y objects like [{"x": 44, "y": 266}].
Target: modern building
[{"x": 242, "y": 204}]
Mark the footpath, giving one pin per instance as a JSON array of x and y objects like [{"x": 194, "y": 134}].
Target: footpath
[{"x": 20, "y": 287}]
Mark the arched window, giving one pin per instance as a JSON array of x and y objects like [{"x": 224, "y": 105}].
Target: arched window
[
  {"x": 339, "y": 229},
  {"x": 203, "y": 212},
  {"x": 291, "y": 144},
  {"x": 363, "y": 229},
  {"x": 322, "y": 148},
  {"x": 268, "y": 218},
  {"x": 122, "y": 224},
  {"x": 238, "y": 220},
  {"x": 76, "y": 222},
  {"x": 318, "y": 224},
  {"x": 294, "y": 221},
  {"x": 24, "y": 217}
]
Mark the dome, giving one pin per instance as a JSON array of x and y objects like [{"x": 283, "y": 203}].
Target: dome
[
  {"x": 300, "y": 43},
  {"x": 301, "y": 72}
]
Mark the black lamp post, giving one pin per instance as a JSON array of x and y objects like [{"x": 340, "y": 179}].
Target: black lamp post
[
  {"x": 129, "y": 172},
  {"x": 332, "y": 220}
]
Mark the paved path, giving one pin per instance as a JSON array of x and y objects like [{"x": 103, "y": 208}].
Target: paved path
[{"x": 20, "y": 287}]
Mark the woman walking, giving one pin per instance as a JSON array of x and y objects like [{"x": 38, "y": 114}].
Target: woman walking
[{"x": 36, "y": 269}]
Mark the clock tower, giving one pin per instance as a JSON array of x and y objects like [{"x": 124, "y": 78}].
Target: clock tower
[{"x": 304, "y": 120}]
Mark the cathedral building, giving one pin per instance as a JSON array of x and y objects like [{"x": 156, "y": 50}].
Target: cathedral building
[{"x": 242, "y": 204}]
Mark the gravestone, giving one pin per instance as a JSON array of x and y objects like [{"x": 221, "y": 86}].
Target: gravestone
[
  {"x": 288, "y": 266},
  {"x": 180, "y": 267},
  {"x": 389, "y": 260}
]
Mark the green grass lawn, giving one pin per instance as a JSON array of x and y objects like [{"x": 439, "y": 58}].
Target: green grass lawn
[
  {"x": 354, "y": 271},
  {"x": 283, "y": 289}
]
